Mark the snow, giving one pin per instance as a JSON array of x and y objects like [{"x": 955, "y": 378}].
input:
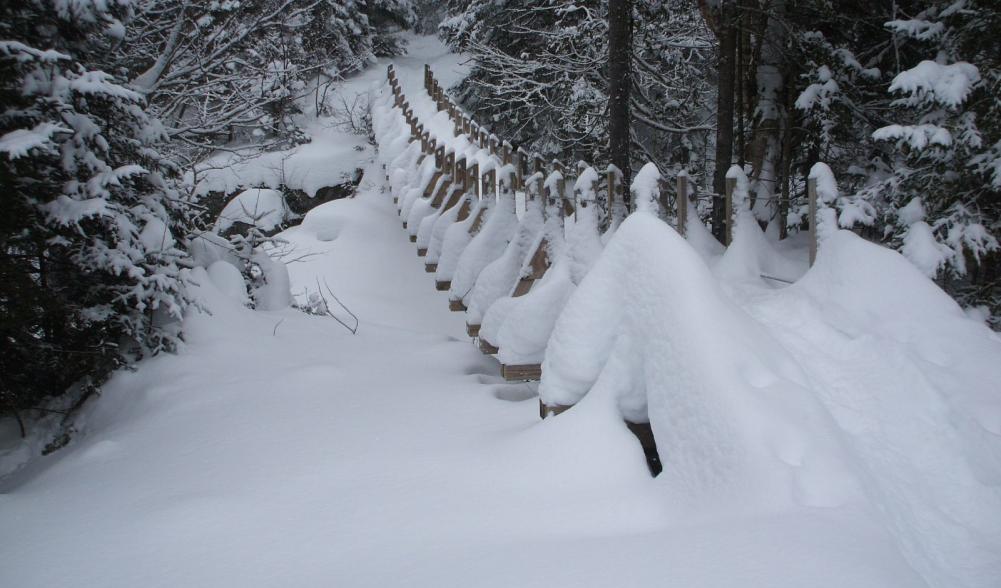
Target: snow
[
  {"x": 229, "y": 281},
  {"x": 262, "y": 208},
  {"x": 329, "y": 159},
  {"x": 832, "y": 393},
  {"x": 19, "y": 142},
  {"x": 156, "y": 235},
  {"x": 645, "y": 189},
  {"x": 490, "y": 241},
  {"x": 499, "y": 278},
  {"x": 207, "y": 248},
  {"x": 948, "y": 85},
  {"x": 831, "y": 432}
]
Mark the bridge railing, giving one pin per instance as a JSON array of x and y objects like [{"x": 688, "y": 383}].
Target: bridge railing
[
  {"x": 683, "y": 190},
  {"x": 453, "y": 168}
]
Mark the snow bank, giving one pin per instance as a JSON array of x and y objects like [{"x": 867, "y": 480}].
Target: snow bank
[
  {"x": 330, "y": 159},
  {"x": 913, "y": 384},
  {"x": 265, "y": 209},
  {"x": 650, "y": 333},
  {"x": 862, "y": 386}
]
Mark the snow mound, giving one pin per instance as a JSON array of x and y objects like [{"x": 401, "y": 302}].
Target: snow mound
[
  {"x": 330, "y": 159},
  {"x": 650, "y": 330},
  {"x": 863, "y": 385},
  {"x": 263, "y": 208}
]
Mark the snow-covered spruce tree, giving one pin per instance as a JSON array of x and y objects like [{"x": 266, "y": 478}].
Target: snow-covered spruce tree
[
  {"x": 946, "y": 176},
  {"x": 902, "y": 102},
  {"x": 90, "y": 272}
]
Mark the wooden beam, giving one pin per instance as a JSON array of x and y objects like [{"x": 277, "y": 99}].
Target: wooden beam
[
  {"x": 811, "y": 193},
  {"x": 486, "y": 347},
  {"x": 731, "y": 185},
  {"x": 682, "y": 203},
  {"x": 522, "y": 373}
]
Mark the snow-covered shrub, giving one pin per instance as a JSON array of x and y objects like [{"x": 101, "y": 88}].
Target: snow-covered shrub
[{"x": 91, "y": 265}]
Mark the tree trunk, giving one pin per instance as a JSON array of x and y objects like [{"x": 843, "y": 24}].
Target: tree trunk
[
  {"x": 620, "y": 33},
  {"x": 724, "y": 114}
]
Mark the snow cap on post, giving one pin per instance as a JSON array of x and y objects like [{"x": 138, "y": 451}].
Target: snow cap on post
[
  {"x": 646, "y": 189},
  {"x": 505, "y": 179},
  {"x": 822, "y": 191},
  {"x": 584, "y": 187},
  {"x": 742, "y": 187},
  {"x": 827, "y": 195},
  {"x": 552, "y": 186}
]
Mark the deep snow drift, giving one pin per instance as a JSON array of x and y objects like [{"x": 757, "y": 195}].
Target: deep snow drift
[{"x": 861, "y": 388}]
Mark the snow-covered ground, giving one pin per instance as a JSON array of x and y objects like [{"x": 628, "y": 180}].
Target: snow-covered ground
[{"x": 278, "y": 449}]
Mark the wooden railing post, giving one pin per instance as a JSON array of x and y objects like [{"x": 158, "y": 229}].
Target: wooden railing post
[
  {"x": 474, "y": 175},
  {"x": 731, "y": 185},
  {"x": 460, "y": 173},
  {"x": 566, "y": 208},
  {"x": 615, "y": 190},
  {"x": 682, "y": 202},
  {"x": 811, "y": 194}
]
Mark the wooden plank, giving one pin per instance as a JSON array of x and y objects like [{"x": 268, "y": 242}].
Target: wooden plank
[
  {"x": 472, "y": 330},
  {"x": 439, "y": 195},
  {"x": 430, "y": 267},
  {"x": 456, "y": 305},
  {"x": 442, "y": 286},
  {"x": 464, "y": 211},
  {"x": 522, "y": 373},
  {"x": 548, "y": 410},
  {"x": 422, "y": 251},
  {"x": 429, "y": 189},
  {"x": 475, "y": 227},
  {"x": 731, "y": 185},
  {"x": 811, "y": 194},
  {"x": 539, "y": 264},
  {"x": 486, "y": 347},
  {"x": 644, "y": 433},
  {"x": 413, "y": 238},
  {"x": 682, "y": 203},
  {"x": 522, "y": 287}
]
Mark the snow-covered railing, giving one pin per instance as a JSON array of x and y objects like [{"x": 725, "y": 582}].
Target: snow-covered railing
[
  {"x": 613, "y": 176},
  {"x": 508, "y": 235}
]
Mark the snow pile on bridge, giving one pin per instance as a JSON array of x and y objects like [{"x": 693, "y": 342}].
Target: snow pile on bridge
[{"x": 862, "y": 386}]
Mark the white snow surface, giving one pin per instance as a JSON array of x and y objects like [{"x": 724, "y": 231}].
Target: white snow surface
[
  {"x": 841, "y": 431},
  {"x": 260, "y": 207}
]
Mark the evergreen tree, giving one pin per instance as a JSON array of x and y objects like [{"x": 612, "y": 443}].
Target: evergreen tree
[{"x": 90, "y": 275}]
